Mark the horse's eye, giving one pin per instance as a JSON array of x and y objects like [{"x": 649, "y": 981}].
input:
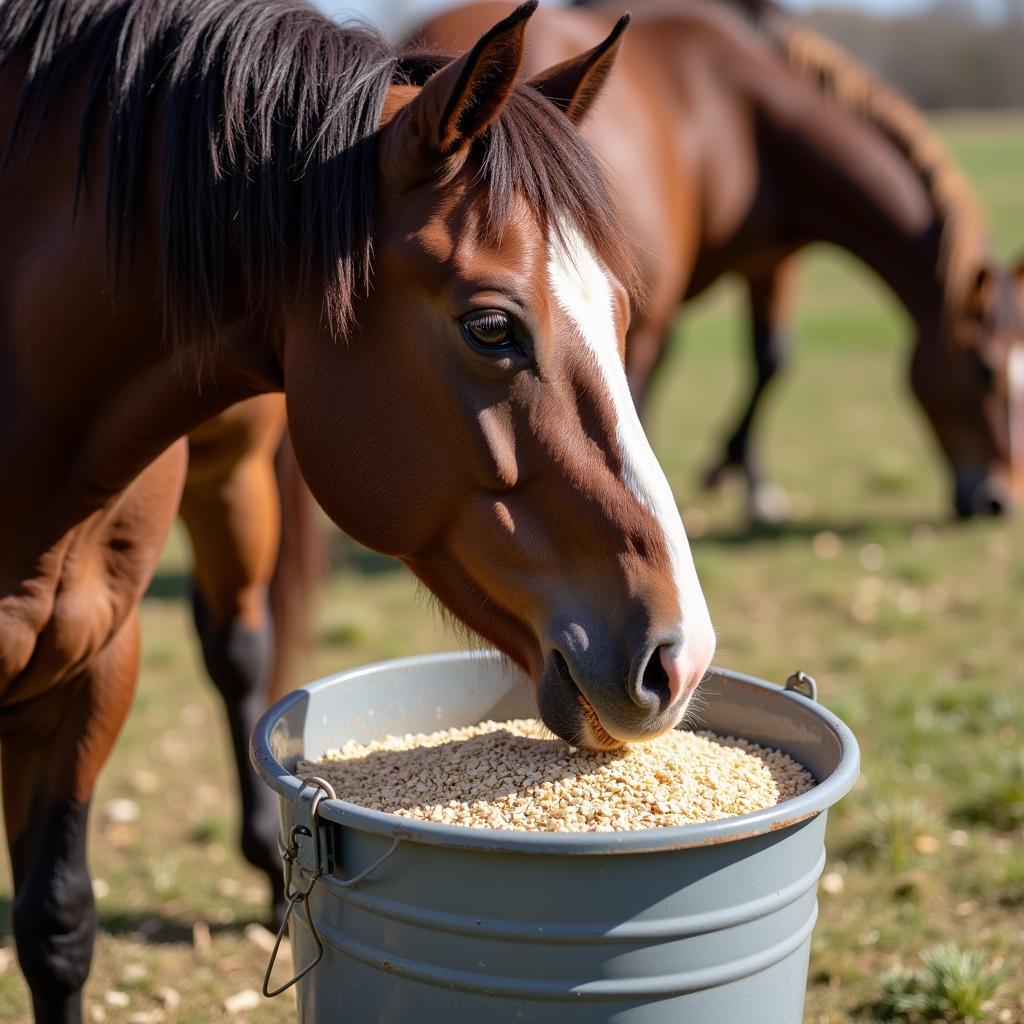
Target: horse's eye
[{"x": 491, "y": 331}]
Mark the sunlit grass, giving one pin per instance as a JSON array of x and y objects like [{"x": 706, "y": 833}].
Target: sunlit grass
[
  {"x": 997, "y": 796},
  {"x": 953, "y": 984}
]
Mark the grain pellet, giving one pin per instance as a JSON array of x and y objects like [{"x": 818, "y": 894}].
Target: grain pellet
[{"x": 514, "y": 776}]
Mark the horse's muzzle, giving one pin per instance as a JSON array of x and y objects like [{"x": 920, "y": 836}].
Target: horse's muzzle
[
  {"x": 600, "y": 699},
  {"x": 977, "y": 494}
]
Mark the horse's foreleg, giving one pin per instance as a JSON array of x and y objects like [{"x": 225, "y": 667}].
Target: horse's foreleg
[
  {"x": 770, "y": 296},
  {"x": 230, "y": 507},
  {"x": 49, "y": 769}
]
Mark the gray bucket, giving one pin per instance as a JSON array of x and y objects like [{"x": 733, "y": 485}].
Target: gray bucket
[{"x": 702, "y": 924}]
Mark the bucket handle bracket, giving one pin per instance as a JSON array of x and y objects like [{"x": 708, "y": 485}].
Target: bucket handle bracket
[
  {"x": 309, "y": 847},
  {"x": 312, "y": 844},
  {"x": 802, "y": 683}
]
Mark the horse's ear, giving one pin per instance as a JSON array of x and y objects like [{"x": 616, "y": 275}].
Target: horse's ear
[
  {"x": 461, "y": 101},
  {"x": 574, "y": 84}
]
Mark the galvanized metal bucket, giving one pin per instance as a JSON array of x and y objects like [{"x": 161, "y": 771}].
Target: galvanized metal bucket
[{"x": 422, "y": 923}]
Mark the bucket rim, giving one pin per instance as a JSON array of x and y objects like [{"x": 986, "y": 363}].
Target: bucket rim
[{"x": 823, "y": 795}]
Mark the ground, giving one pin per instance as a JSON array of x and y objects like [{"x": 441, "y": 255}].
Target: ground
[{"x": 910, "y": 623}]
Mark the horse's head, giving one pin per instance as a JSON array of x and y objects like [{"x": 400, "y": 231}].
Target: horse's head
[
  {"x": 478, "y": 423},
  {"x": 972, "y": 388}
]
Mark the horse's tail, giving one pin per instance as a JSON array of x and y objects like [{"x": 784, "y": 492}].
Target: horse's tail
[{"x": 301, "y": 567}]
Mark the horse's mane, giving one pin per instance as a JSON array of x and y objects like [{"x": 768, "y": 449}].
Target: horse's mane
[
  {"x": 846, "y": 82},
  {"x": 268, "y": 112}
]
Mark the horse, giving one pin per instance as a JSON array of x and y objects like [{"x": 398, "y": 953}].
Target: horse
[
  {"x": 741, "y": 147},
  {"x": 209, "y": 200}
]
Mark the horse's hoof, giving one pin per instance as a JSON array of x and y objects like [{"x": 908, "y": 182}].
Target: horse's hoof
[{"x": 768, "y": 505}]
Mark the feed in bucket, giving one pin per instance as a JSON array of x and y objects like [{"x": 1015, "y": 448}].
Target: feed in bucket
[{"x": 512, "y": 775}]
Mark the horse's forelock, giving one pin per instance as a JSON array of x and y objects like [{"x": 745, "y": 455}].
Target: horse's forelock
[{"x": 532, "y": 152}]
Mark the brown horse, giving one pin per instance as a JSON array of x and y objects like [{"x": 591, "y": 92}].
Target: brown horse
[
  {"x": 458, "y": 400},
  {"x": 731, "y": 156}
]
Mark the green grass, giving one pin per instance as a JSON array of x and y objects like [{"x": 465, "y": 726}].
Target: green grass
[
  {"x": 918, "y": 642},
  {"x": 953, "y": 985},
  {"x": 998, "y": 800}
]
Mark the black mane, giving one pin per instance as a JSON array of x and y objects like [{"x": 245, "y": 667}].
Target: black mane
[{"x": 268, "y": 113}]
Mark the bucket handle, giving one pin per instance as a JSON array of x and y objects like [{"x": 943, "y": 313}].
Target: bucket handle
[
  {"x": 802, "y": 683},
  {"x": 309, "y": 849}
]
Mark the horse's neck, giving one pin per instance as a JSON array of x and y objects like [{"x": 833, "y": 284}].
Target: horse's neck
[
  {"x": 97, "y": 394},
  {"x": 105, "y": 421},
  {"x": 842, "y": 182},
  {"x": 827, "y": 175},
  {"x": 161, "y": 399},
  {"x": 906, "y": 256}
]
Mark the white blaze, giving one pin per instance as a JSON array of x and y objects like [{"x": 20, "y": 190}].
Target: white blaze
[{"x": 582, "y": 289}]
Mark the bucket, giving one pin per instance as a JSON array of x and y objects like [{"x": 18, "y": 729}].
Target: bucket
[{"x": 424, "y": 923}]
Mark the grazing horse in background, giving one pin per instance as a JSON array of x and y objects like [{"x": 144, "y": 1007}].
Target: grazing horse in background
[
  {"x": 731, "y": 156},
  {"x": 426, "y": 263}
]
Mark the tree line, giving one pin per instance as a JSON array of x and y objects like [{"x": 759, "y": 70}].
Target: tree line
[{"x": 946, "y": 56}]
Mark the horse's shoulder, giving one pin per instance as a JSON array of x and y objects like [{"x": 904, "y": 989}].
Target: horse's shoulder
[{"x": 63, "y": 604}]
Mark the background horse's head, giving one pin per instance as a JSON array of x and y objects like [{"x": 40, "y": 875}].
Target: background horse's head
[
  {"x": 478, "y": 425},
  {"x": 972, "y": 389}
]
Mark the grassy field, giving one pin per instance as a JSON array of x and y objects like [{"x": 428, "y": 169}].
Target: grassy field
[{"x": 911, "y": 625}]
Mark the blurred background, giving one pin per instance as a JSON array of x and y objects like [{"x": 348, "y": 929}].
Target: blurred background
[
  {"x": 910, "y": 622},
  {"x": 942, "y": 55}
]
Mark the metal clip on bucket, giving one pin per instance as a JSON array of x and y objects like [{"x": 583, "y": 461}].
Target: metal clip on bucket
[
  {"x": 802, "y": 683},
  {"x": 309, "y": 846}
]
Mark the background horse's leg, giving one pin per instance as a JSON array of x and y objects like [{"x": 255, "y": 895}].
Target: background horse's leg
[
  {"x": 645, "y": 351},
  {"x": 646, "y": 347},
  {"x": 770, "y": 297},
  {"x": 231, "y": 508},
  {"x": 49, "y": 765}
]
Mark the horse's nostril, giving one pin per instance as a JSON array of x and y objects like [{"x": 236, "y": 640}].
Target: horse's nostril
[
  {"x": 997, "y": 502},
  {"x": 654, "y": 681},
  {"x": 991, "y": 499},
  {"x": 979, "y": 495}
]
